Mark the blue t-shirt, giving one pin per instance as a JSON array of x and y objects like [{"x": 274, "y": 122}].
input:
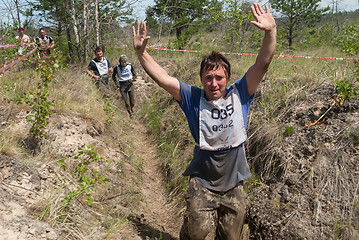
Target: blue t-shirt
[{"x": 216, "y": 170}]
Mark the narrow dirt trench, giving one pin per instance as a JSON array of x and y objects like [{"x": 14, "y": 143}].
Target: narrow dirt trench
[{"x": 159, "y": 220}]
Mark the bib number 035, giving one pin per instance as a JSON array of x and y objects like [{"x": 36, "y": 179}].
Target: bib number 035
[{"x": 222, "y": 113}]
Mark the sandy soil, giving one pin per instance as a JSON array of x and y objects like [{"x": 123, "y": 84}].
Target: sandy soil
[{"x": 22, "y": 186}]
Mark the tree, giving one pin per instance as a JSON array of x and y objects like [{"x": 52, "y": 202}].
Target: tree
[
  {"x": 235, "y": 18},
  {"x": 84, "y": 22},
  {"x": 14, "y": 10},
  {"x": 75, "y": 27},
  {"x": 335, "y": 5},
  {"x": 55, "y": 14},
  {"x": 296, "y": 13},
  {"x": 186, "y": 16}
]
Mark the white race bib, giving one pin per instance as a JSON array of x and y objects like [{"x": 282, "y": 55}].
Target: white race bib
[
  {"x": 124, "y": 73},
  {"x": 44, "y": 43},
  {"x": 102, "y": 67},
  {"x": 221, "y": 124}
]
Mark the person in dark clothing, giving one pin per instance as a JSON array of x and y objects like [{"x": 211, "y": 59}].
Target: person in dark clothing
[
  {"x": 126, "y": 76},
  {"x": 45, "y": 43},
  {"x": 99, "y": 68}
]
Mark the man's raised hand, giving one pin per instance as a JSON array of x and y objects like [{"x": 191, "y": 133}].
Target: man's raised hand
[
  {"x": 139, "y": 36},
  {"x": 264, "y": 19}
]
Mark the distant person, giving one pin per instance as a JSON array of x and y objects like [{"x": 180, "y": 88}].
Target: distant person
[
  {"x": 22, "y": 38},
  {"x": 217, "y": 118},
  {"x": 126, "y": 75},
  {"x": 99, "y": 68},
  {"x": 45, "y": 43}
]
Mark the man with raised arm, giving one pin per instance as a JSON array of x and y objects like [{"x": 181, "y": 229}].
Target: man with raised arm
[{"x": 217, "y": 118}]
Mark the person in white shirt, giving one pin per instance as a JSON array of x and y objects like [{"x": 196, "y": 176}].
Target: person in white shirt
[
  {"x": 22, "y": 38},
  {"x": 99, "y": 68},
  {"x": 126, "y": 76}
]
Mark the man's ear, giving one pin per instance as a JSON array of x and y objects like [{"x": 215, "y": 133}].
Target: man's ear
[{"x": 227, "y": 77}]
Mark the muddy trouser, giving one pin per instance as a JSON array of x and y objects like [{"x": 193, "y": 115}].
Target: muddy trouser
[
  {"x": 104, "y": 81},
  {"x": 45, "y": 53},
  {"x": 128, "y": 94},
  {"x": 213, "y": 215},
  {"x": 103, "y": 84}
]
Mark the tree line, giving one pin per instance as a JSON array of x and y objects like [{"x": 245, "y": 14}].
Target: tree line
[{"x": 81, "y": 25}]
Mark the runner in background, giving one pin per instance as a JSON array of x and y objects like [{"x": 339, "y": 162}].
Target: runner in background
[
  {"x": 126, "y": 75},
  {"x": 99, "y": 68},
  {"x": 22, "y": 38},
  {"x": 45, "y": 44}
]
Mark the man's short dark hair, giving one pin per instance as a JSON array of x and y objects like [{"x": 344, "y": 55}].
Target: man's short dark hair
[
  {"x": 98, "y": 49},
  {"x": 41, "y": 29},
  {"x": 214, "y": 61}
]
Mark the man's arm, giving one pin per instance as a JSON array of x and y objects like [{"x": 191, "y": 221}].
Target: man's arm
[
  {"x": 52, "y": 43},
  {"x": 114, "y": 73},
  {"x": 91, "y": 74},
  {"x": 110, "y": 69},
  {"x": 265, "y": 22},
  {"x": 134, "y": 76},
  {"x": 37, "y": 41},
  {"x": 88, "y": 70},
  {"x": 155, "y": 71}
]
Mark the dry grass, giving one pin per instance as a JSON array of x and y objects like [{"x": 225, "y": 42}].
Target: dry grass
[
  {"x": 73, "y": 92},
  {"x": 9, "y": 142},
  {"x": 75, "y": 96}
]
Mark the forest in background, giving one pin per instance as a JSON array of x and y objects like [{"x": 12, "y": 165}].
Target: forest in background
[{"x": 78, "y": 26}]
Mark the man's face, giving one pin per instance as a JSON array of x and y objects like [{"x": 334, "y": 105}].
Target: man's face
[
  {"x": 99, "y": 54},
  {"x": 214, "y": 83},
  {"x": 21, "y": 31},
  {"x": 42, "y": 33},
  {"x": 123, "y": 64}
]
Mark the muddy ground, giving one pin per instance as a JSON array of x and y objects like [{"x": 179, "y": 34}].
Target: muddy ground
[{"x": 25, "y": 183}]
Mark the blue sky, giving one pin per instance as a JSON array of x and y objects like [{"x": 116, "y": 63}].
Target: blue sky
[
  {"x": 347, "y": 5},
  {"x": 140, "y": 8}
]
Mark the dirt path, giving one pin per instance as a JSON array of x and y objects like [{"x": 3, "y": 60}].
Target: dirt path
[
  {"x": 160, "y": 219},
  {"x": 159, "y": 212}
]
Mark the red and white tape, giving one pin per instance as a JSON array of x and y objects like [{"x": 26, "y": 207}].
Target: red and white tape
[
  {"x": 13, "y": 45},
  {"x": 249, "y": 54},
  {"x": 169, "y": 49},
  {"x": 13, "y": 62}
]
